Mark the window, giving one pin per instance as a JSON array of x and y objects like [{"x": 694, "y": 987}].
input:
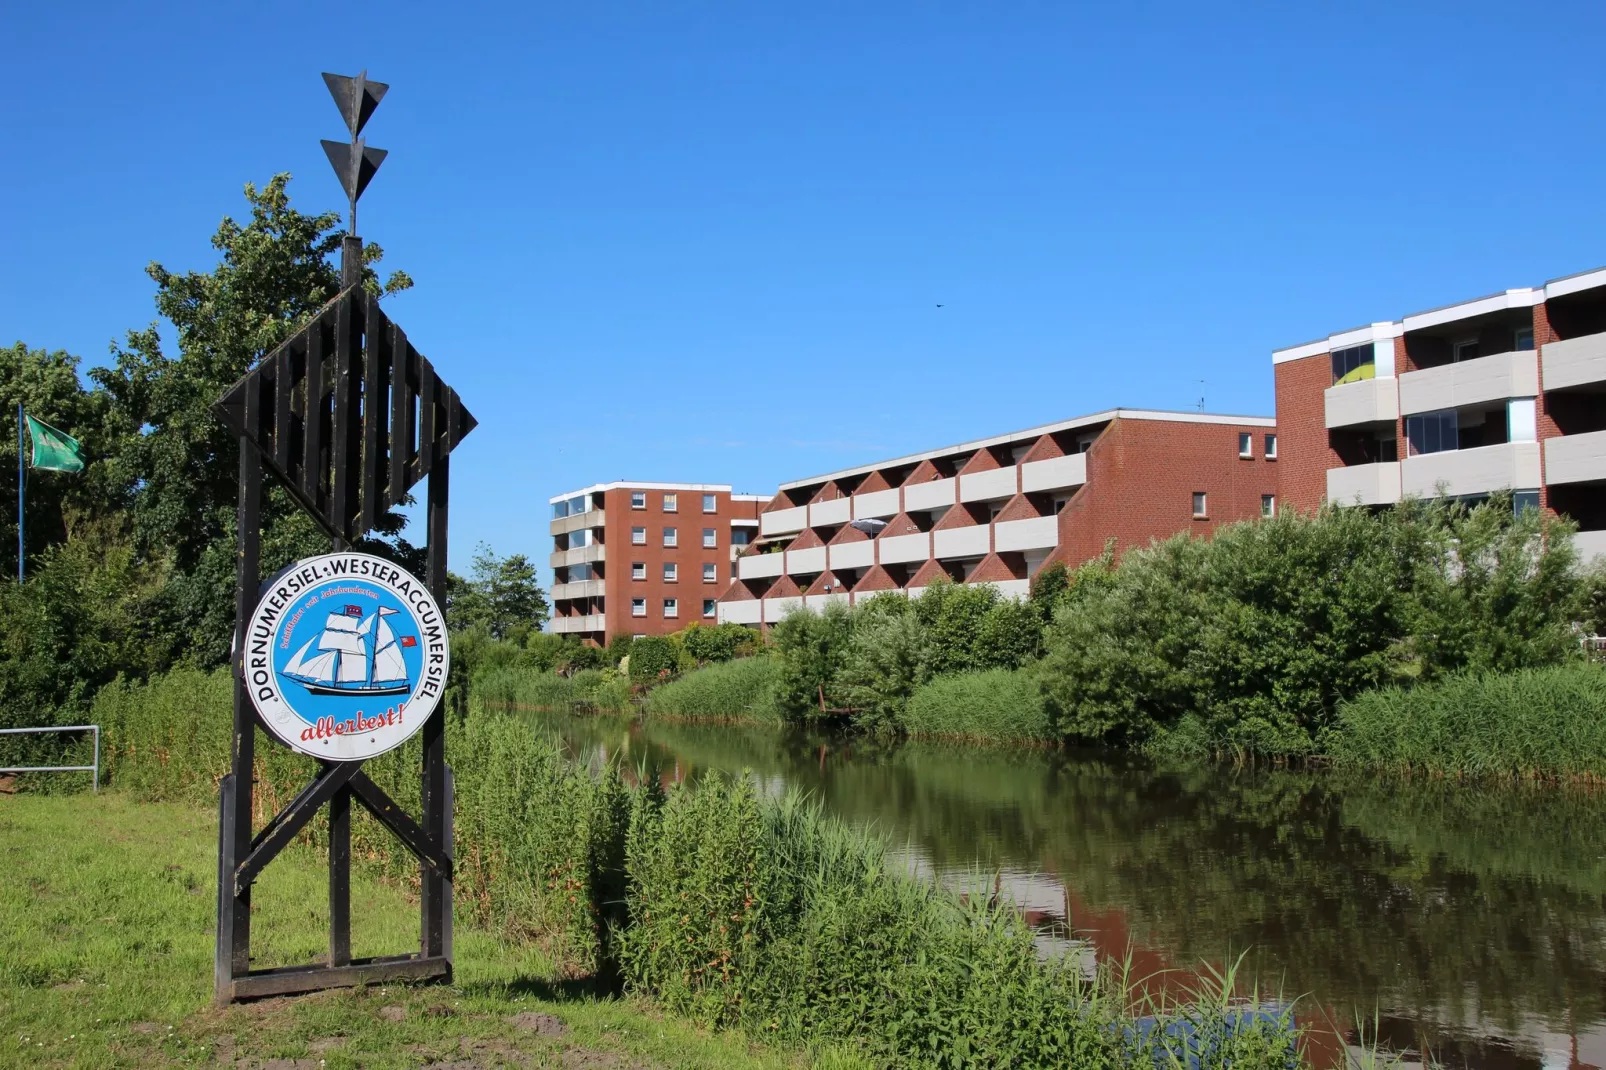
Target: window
[
  {"x": 1523, "y": 338},
  {"x": 711, "y": 502},
  {"x": 709, "y": 607},
  {"x": 638, "y": 570},
  {"x": 1271, "y": 447},
  {"x": 638, "y": 607},
  {"x": 671, "y": 503},
  {"x": 580, "y": 538},
  {"x": 710, "y": 539},
  {"x": 1268, "y": 505},
  {"x": 1354, "y": 364},
  {"x": 641, "y": 635},
  {"x": 578, "y": 505},
  {"x": 710, "y": 572},
  {"x": 671, "y": 537},
  {"x": 671, "y": 607},
  {"x": 1432, "y": 432},
  {"x": 638, "y": 536},
  {"x": 741, "y": 536},
  {"x": 1199, "y": 503},
  {"x": 1466, "y": 349},
  {"x": 638, "y": 499},
  {"x": 560, "y": 510},
  {"x": 1246, "y": 444},
  {"x": 671, "y": 572},
  {"x": 1524, "y": 499},
  {"x": 1085, "y": 443},
  {"x": 579, "y": 572}
]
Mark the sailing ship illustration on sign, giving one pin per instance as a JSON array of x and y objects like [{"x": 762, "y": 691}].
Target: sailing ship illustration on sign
[{"x": 355, "y": 655}]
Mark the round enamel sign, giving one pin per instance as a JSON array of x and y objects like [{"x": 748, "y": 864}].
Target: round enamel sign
[{"x": 345, "y": 656}]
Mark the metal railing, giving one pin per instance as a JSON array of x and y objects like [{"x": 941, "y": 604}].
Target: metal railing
[{"x": 95, "y": 728}]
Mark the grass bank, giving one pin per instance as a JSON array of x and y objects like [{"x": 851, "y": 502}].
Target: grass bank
[
  {"x": 1537, "y": 723},
  {"x": 106, "y": 915},
  {"x": 740, "y": 690}
]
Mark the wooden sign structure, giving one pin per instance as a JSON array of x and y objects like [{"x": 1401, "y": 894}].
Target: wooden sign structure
[{"x": 349, "y": 417}]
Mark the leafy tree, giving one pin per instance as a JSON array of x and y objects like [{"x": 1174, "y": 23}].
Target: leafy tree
[
  {"x": 722, "y": 642},
  {"x": 652, "y": 658},
  {"x": 501, "y": 595},
  {"x": 887, "y": 659},
  {"x": 811, "y": 648}
]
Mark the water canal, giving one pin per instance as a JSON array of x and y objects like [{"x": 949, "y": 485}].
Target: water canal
[{"x": 1468, "y": 919}]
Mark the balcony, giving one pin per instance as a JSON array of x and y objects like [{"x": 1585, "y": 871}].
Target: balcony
[
  {"x": 1014, "y": 588},
  {"x": 920, "y": 497},
  {"x": 987, "y": 486},
  {"x": 830, "y": 514},
  {"x": 818, "y": 602},
  {"x": 1576, "y": 458},
  {"x": 783, "y": 521},
  {"x": 594, "y": 622},
  {"x": 851, "y": 555},
  {"x": 1471, "y": 382},
  {"x": 578, "y": 589},
  {"x": 805, "y": 562},
  {"x": 899, "y": 549},
  {"x": 1481, "y": 470},
  {"x": 971, "y": 541},
  {"x": 1364, "y": 484},
  {"x": 580, "y": 555},
  {"x": 1591, "y": 545},
  {"x": 760, "y": 566},
  {"x": 746, "y": 611},
  {"x": 1369, "y": 401},
  {"x": 776, "y": 608},
  {"x": 877, "y": 503},
  {"x": 1056, "y": 473},
  {"x": 592, "y": 518},
  {"x": 1575, "y": 362},
  {"x": 1038, "y": 533}
]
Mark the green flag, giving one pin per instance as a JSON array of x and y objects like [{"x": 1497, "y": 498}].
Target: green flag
[{"x": 54, "y": 450}]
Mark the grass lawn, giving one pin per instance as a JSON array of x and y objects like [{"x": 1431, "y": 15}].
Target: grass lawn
[{"x": 107, "y": 908}]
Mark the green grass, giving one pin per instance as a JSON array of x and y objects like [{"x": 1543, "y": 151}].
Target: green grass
[
  {"x": 107, "y": 909},
  {"x": 998, "y": 704},
  {"x": 1537, "y": 723},
  {"x": 740, "y": 690},
  {"x": 524, "y": 687}
]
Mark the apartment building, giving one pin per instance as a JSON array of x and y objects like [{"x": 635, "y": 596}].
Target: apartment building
[
  {"x": 645, "y": 558},
  {"x": 1498, "y": 393},
  {"x": 998, "y": 509}
]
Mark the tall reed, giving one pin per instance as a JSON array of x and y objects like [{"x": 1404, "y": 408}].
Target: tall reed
[
  {"x": 998, "y": 704},
  {"x": 740, "y": 690},
  {"x": 525, "y": 687}
]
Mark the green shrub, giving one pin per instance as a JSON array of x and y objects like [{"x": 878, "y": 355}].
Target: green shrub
[
  {"x": 721, "y": 642},
  {"x": 653, "y": 658},
  {"x": 740, "y": 690},
  {"x": 810, "y": 649},
  {"x": 1534, "y": 723},
  {"x": 521, "y": 687},
  {"x": 999, "y": 704}
]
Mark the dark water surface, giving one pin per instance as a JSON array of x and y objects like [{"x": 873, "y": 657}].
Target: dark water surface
[{"x": 1468, "y": 919}]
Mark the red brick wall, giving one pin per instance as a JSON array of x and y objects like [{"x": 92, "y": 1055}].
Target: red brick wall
[
  {"x": 1141, "y": 475},
  {"x": 1546, "y": 423},
  {"x": 1303, "y": 453}
]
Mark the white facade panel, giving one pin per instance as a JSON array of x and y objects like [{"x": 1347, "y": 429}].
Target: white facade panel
[
  {"x": 851, "y": 554},
  {"x": 1576, "y": 458},
  {"x": 594, "y": 622},
  {"x": 987, "y": 486},
  {"x": 830, "y": 514},
  {"x": 1575, "y": 362},
  {"x": 578, "y": 589},
  {"x": 1014, "y": 588},
  {"x": 776, "y": 608},
  {"x": 1056, "y": 473},
  {"x": 746, "y": 611},
  {"x": 1470, "y": 382},
  {"x": 818, "y": 602},
  {"x": 877, "y": 503},
  {"x": 900, "y": 549},
  {"x": 1038, "y": 533},
  {"x": 805, "y": 562},
  {"x": 1364, "y": 484},
  {"x": 961, "y": 542},
  {"x": 1590, "y": 545},
  {"x": 580, "y": 555},
  {"x": 783, "y": 521},
  {"x": 933, "y": 495},
  {"x": 591, "y": 518},
  {"x": 1508, "y": 466},
  {"x": 1369, "y": 401},
  {"x": 760, "y": 566}
]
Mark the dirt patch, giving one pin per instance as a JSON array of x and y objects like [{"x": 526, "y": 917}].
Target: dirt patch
[
  {"x": 393, "y": 1013},
  {"x": 440, "y": 1010},
  {"x": 147, "y": 1027},
  {"x": 542, "y": 1025}
]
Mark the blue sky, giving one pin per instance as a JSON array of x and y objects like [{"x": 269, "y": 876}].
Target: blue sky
[{"x": 707, "y": 242}]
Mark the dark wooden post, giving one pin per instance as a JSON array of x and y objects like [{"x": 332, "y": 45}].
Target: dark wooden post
[{"x": 435, "y": 900}]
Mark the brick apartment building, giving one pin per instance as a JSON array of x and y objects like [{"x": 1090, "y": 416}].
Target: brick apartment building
[
  {"x": 644, "y": 558},
  {"x": 998, "y": 509},
  {"x": 1506, "y": 392}
]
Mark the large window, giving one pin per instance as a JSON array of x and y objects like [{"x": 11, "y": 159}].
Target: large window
[
  {"x": 741, "y": 536},
  {"x": 1432, "y": 432},
  {"x": 578, "y": 573},
  {"x": 1354, "y": 364}
]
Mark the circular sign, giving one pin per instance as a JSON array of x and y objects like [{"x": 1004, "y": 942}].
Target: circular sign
[{"x": 345, "y": 656}]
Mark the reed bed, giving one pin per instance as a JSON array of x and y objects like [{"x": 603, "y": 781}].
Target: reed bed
[
  {"x": 528, "y": 688},
  {"x": 1536, "y": 723},
  {"x": 996, "y": 704},
  {"x": 739, "y": 690}
]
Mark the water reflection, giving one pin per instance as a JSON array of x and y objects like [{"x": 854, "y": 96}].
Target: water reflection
[{"x": 1469, "y": 919}]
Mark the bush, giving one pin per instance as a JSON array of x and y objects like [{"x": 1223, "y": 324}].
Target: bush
[
  {"x": 721, "y": 642},
  {"x": 740, "y": 690},
  {"x": 653, "y": 658},
  {"x": 995, "y": 704},
  {"x": 1533, "y": 723}
]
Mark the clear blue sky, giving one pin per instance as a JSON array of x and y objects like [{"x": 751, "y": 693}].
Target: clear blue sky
[{"x": 707, "y": 242}]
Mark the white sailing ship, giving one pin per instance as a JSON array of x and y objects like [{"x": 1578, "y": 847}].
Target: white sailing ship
[{"x": 354, "y": 656}]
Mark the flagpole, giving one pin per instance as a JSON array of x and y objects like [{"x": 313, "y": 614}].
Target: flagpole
[{"x": 21, "y": 476}]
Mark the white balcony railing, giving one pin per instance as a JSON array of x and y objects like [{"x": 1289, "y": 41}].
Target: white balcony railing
[
  {"x": 988, "y": 486},
  {"x": 877, "y": 503},
  {"x": 1576, "y": 458},
  {"x": 830, "y": 514},
  {"x": 1591, "y": 545},
  {"x": 593, "y": 622},
  {"x": 805, "y": 562},
  {"x": 1037, "y": 533},
  {"x": 1056, "y": 473},
  {"x": 1364, "y": 484},
  {"x": 1481, "y": 470},
  {"x": 919, "y": 497},
  {"x": 580, "y": 555},
  {"x": 783, "y": 521},
  {"x": 746, "y": 611},
  {"x": 901, "y": 549},
  {"x": 591, "y": 518},
  {"x": 1471, "y": 382},
  {"x": 1369, "y": 401},
  {"x": 776, "y": 608},
  {"x": 971, "y": 541},
  {"x": 578, "y": 589},
  {"x": 761, "y": 566},
  {"x": 851, "y": 554},
  {"x": 1575, "y": 362}
]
